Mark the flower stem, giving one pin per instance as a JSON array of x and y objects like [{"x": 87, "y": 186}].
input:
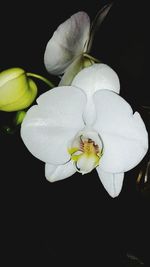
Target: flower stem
[
  {"x": 50, "y": 84},
  {"x": 92, "y": 58}
]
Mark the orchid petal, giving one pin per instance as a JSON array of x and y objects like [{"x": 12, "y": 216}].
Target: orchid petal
[
  {"x": 68, "y": 41},
  {"x": 55, "y": 173},
  {"x": 123, "y": 133},
  {"x": 112, "y": 182},
  {"x": 49, "y": 126},
  {"x": 96, "y": 77}
]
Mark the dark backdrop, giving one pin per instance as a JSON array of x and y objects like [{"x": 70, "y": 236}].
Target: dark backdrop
[{"x": 71, "y": 222}]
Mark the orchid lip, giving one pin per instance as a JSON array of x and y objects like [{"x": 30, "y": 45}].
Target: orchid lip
[{"x": 86, "y": 150}]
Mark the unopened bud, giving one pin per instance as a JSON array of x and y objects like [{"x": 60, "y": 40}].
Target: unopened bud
[{"x": 17, "y": 91}]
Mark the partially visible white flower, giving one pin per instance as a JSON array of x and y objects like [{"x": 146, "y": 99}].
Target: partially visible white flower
[
  {"x": 68, "y": 42},
  {"x": 68, "y": 135},
  {"x": 68, "y": 49}
]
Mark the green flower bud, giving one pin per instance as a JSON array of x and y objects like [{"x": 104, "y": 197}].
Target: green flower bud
[{"x": 17, "y": 91}]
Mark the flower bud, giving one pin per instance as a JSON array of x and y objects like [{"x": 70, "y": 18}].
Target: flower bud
[{"x": 17, "y": 91}]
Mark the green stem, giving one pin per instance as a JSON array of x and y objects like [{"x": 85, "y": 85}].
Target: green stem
[
  {"x": 92, "y": 58},
  {"x": 41, "y": 78}
]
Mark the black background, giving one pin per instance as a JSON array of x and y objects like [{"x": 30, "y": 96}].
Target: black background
[{"x": 72, "y": 222}]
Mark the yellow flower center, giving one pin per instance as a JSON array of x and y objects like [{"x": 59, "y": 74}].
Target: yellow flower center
[
  {"x": 89, "y": 147},
  {"x": 85, "y": 154}
]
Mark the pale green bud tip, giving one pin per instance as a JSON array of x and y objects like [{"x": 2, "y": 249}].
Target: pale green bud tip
[
  {"x": 19, "y": 117},
  {"x": 17, "y": 91}
]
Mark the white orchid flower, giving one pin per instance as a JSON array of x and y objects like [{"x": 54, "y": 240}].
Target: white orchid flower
[
  {"x": 75, "y": 129},
  {"x": 67, "y": 50}
]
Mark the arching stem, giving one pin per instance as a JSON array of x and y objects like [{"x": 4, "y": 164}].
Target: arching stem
[{"x": 50, "y": 84}]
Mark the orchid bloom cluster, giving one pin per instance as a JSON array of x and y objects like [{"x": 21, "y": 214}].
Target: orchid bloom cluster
[{"x": 83, "y": 124}]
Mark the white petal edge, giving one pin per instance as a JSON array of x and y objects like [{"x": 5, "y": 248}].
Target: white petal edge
[
  {"x": 49, "y": 126},
  {"x": 123, "y": 133},
  {"x": 55, "y": 173},
  {"x": 68, "y": 41},
  {"x": 112, "y": 182},
  {"x": 96, "y": 77}
]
